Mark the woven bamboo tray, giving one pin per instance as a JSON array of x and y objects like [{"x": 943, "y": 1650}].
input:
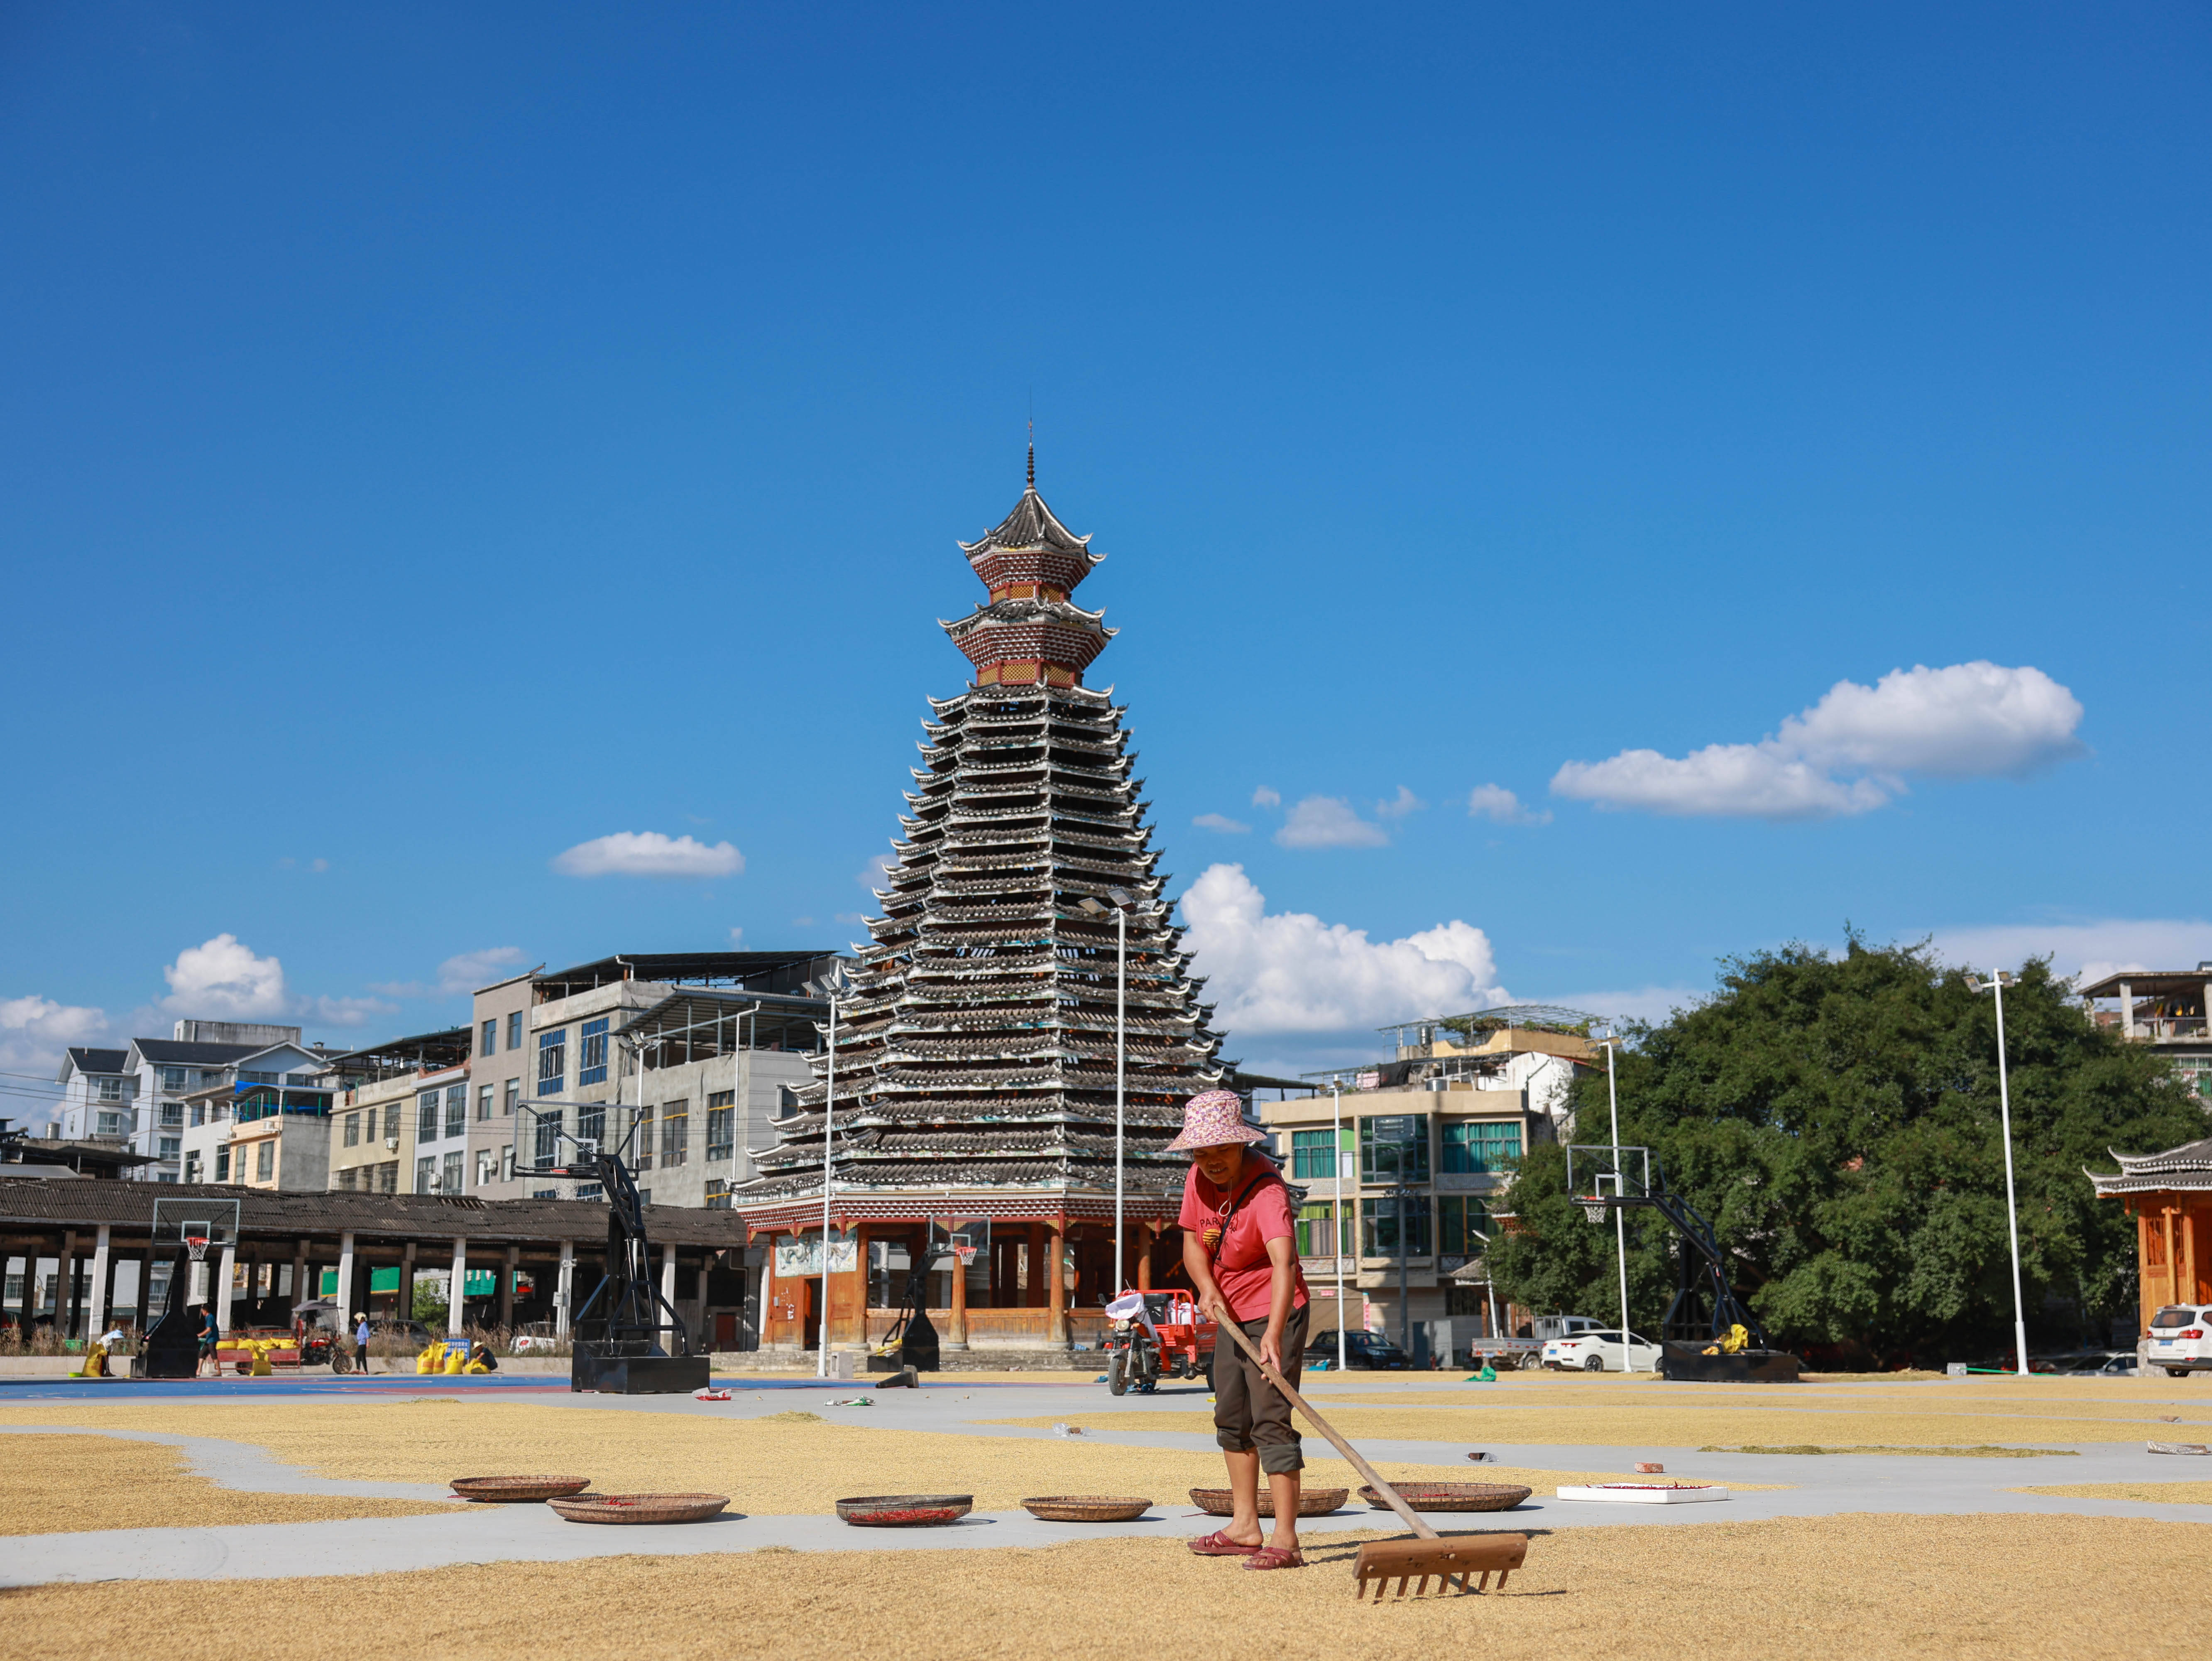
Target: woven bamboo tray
[
  {"x": 1312, "y": 1502},
  {"x": 905, "y": 1511},
  {"x": 641, "y": 1508},
  {"x": 1086, "y": 1508},
  {"x": 512, "y": 1490},
  {"x": 1452, "y": 1496}
]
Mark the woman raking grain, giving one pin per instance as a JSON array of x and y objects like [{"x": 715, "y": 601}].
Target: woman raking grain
[{"x": 1239, "y": 1248}]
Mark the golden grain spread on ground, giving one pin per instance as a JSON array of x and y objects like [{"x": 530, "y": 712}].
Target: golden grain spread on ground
[
  {"x": 2150, "y": 1493},
  {"x": 1860, "y": 1585},
  {"x": 1645, "y": 1413},
  {"x": 69, "y": 1484},
  {"x": 767, "y": 1468}
]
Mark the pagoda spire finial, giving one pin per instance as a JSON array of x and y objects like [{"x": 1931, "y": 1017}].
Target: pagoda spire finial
[{"x": 1032, "y": 485}]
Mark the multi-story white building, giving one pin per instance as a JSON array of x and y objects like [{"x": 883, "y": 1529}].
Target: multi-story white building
[
  {"x": 276, "y": 1088},
  {"x": 99, "y": 1094},
  {"x": 139, "y": 1094}
]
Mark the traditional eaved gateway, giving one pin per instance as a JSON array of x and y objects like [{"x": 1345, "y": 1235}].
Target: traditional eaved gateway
[
  {"x": 2169, "y": 1194},
  {"x": 974, "y": 1058}
]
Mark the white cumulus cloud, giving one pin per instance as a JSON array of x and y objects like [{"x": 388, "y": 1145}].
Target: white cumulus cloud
[
  {"x": 1852, "y": 752},
  {"x": 341, "y": 1011},
  {"x": 1292, "y": 972},
  {"x": 1654, "y": 1004},
  {"x": 222, "y": 978},
  {"x": 1264, "y": 797},
  {"x": 1330, "y": 822},
  {"x": 1495, "y": 801},
  {"x": 1222, "y": 822},
  {"x": 467, "y": 971},
  {"x": 1398, "y": 806},
  {"x": 648, "y": 854},
  {"x": 34, "y": 1031},
  {"x": 463, "y": 972},
  {"x": 2090, "y": 951}
]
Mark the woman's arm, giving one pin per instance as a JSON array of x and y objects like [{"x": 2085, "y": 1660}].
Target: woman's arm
[
  {"x": 1199, "y": 1268},
  {"x": 1282, "y": 1286}
]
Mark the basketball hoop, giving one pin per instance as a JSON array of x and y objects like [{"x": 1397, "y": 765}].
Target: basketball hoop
[
  {"x": 195, "y": 1277},
  {"x": 1593, "y": 1209}
]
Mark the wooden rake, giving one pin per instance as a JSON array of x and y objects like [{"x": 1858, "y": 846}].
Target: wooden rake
[{"x": 1429, "y": 1556}]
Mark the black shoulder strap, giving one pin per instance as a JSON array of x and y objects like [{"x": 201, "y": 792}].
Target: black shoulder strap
[{"x": 1244, "y": 1194}]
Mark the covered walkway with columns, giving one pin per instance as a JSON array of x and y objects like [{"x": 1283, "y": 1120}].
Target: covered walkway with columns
[{"x": 69, "y": 1246}]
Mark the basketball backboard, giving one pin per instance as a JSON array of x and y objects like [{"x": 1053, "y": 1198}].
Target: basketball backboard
[{"x": 195, "y": 1232}]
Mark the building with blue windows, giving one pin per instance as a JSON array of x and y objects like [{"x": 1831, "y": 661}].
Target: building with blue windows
[{"x": 1422, "y": 1148}]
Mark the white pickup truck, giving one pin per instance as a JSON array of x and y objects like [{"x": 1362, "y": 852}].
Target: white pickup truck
[{"x": 1528, "y": 1353}]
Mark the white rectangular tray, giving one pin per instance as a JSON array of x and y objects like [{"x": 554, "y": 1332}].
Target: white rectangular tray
[{"x": 1622, "y": 1493}]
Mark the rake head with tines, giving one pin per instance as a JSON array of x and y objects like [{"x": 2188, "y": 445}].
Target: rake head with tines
[
  {"x": 1464, "y": 1565},
  {"x": 1428, "y": 1556}
]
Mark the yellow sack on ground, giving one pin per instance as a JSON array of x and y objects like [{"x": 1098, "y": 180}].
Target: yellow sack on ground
[
  {"x": 429, "y": 1360},
  {"x": 260, "y": 1362},
  {"x": 476, "y": 1366},
  {"x": 456, "y": 1359}
]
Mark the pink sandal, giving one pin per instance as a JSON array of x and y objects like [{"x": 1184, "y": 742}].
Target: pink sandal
[
  {"x": 1218, "y": 1544},
  {"x": 1275, "y": 1557}
]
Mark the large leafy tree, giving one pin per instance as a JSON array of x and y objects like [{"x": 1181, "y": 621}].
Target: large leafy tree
[{"x": 1835, "y": 1118}]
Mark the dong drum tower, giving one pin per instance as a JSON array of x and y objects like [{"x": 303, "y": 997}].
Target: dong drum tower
[{"x": 975, "y": 1052}]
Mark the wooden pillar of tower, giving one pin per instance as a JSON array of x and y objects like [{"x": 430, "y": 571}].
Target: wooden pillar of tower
[
  {"x": 1055, "y": 1331},
  {"x": 956, "y": 1329}
]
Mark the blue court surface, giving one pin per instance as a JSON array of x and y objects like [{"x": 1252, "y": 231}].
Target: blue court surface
[{"x": 140, "y": 1389}]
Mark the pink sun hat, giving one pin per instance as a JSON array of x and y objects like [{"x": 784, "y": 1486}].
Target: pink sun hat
[{"x": 1213, "y": 1119}]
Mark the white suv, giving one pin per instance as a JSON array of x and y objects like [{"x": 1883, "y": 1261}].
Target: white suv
[
  {"x": 1601, "y": 1352},
  {"x": 2181, "y": 1339}
]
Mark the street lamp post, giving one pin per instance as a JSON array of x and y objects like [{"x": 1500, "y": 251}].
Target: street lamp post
[
  {"x": 828, "y": 986},
  {"x": 1336, "y": 1220},
  {"x": 1996, "y": 984},
  {"x": 1619, "y": 1212},
  {"x": 1402, "y": 1197}
]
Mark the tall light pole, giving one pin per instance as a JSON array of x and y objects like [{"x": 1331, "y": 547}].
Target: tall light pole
[
  {"x": 828, "y": 986},
  {"x": 1336, "y": 1221},
  {"x": 1619, "y": 1212},
  {"x": 1996, "y": 984},
  {"x": 1124, "y": 901}
]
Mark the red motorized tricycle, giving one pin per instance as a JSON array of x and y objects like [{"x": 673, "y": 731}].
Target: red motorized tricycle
[{"x": 1156, "y": 1335}]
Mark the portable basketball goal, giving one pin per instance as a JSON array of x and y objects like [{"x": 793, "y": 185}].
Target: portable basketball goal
[
  {"x": 1705, "y": 1305},
  {"x": 185, "y": 1230}
]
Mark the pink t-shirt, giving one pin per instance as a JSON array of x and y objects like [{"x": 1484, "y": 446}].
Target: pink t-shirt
[{"x": 1241, "y": 1267}]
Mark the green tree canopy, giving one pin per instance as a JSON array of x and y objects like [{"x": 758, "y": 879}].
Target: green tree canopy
[{"x": 1835, "y": 1119}]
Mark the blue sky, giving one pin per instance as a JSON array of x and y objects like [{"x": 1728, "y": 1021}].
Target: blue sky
[{"x": 434, "y": 442}]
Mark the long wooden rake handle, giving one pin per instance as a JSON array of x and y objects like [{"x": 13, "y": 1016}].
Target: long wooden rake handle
[{"x": 1323, "y": 1424}]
